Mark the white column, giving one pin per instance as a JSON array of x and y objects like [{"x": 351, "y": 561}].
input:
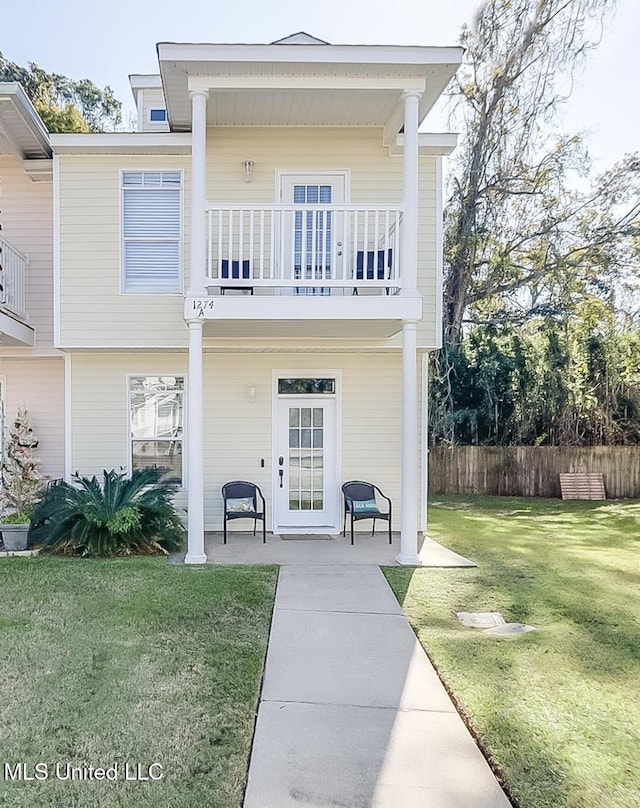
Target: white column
[
  {"x": 195, "y": 453},
  {"x": 409, "y": 267},
  {"x": 409, "y": 469},
  {"x": 198, "y": 192},
  {"x": 424, "y": 443}
]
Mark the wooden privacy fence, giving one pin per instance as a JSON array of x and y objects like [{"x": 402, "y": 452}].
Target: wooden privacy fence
[{"x": 531, "y": 471}]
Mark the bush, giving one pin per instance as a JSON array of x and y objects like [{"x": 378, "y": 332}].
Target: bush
[{"x": 123, "y": 516}]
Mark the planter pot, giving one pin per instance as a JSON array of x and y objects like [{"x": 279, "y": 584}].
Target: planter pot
[{"x": 14, "y": 537}]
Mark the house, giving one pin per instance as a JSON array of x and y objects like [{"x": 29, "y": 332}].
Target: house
[{"x": 245, "y": 288}]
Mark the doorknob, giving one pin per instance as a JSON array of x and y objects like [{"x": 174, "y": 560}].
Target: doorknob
[{"x": 281, "y": 475}]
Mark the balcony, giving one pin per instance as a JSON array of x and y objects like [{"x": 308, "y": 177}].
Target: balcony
[
  {"x": 333, "y": 270},
  {"x": 13, "y": 330}
]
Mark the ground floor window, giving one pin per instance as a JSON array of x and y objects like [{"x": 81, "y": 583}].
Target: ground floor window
[{"x": 156, "y": 416}]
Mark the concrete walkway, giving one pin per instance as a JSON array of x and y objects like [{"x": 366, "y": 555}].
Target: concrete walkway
[{"x": 352, "y": 713}]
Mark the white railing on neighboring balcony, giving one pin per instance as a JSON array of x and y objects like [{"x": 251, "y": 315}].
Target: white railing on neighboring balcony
[
  {"x": 304, "y": 249},
  {"x": 12, "y": 278}
]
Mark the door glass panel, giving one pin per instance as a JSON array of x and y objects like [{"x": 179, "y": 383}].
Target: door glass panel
[
  {"x": 313, "y": 234},
  {"x": 306, "y": 460}
]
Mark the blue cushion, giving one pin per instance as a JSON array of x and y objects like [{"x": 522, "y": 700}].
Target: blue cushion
[
  {"x": 235, "y": 269},
  {"x": 371, "y": 259},
  {"x": 364, "y": 506}
]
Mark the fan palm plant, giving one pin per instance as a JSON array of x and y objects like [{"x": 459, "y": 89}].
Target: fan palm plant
[{"x": 121, "y": 516}]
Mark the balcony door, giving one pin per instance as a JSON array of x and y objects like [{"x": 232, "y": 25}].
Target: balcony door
[{"x": 314, "y": 235}]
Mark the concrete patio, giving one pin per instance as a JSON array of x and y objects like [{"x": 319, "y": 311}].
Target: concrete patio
[{"x": 244, "y": 548}]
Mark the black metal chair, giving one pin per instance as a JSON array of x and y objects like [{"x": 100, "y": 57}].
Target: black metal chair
[
  {"x": 360, "y": 503},
  {"x": 240, "y": 501}
]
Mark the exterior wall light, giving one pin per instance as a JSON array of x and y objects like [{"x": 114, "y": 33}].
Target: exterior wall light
[
  {"x": 251, "y": 392},
  {"x": 247, "y": 165}
]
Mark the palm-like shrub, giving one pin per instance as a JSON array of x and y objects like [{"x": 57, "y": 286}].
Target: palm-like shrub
[{"x": 121, "y": 516}]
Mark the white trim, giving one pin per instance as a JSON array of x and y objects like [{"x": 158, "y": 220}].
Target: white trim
[
  {"x": 38, "y": 170},
  {"x": 324, "y": 54},
  {"x": 409, "y": 462},
  {"x": 68, "y": 417},
  {"x": 429, "y": 143},
  {"x": 13, "y": 92},
  {"x": 56, "y": 251},
  {"x": 439, "y": 232},
  {"x": 138, "y": 98},
  {"x": 253, "y": 82},
  {"x": 123, "y": 142},
  {"x": 145, "y": 81},
  {"x": 17, "y": 330},
  {"x": 127, "y": 394},
  {"x": 195, "y": 416},
  {"x": 306, "y": 373},
  {"x": 179, "y": 292},
  {"x": 424, "y": 441},
  {"x": 345, "y": 173}
]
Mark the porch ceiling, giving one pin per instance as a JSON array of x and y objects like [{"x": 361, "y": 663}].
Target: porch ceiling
[
  {"x": 296, "y": 330},
  {"x": 372, "y": 78},
  {"x": 14, "y": 333}
]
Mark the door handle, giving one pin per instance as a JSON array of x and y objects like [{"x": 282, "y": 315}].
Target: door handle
[{"x": 281, "y": 475}]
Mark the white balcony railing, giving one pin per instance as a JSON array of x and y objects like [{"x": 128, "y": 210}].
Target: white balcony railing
[
  {"x": 304, "y": 249},
  {"x": 12, "y": 278}
]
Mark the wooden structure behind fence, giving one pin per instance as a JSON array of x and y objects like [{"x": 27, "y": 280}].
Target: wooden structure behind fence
[{"x": 531, "y": 471}]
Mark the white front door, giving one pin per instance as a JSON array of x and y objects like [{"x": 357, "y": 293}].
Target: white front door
[
  {"x": 306, "y": 484},
  {"x": 314, "y": 235}
]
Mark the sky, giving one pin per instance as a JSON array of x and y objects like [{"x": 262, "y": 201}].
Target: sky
[{"x": 107, "y": 41}]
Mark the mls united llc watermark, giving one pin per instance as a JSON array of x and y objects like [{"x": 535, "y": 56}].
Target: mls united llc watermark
[{"x": 65, "y": 770}]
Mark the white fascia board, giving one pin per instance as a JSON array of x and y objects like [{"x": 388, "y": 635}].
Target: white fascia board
[
  {"x": 329, "y": 54},
  {"x": 116, "y": 143},
  {"x": 12, "y": 91},
  {"x": 305, "y": 83},
  {"x": 230, "y": 307},
  {"x": 442, "y": 143},
  {"x": 142, "y": 81},
  {"x": 145, "y": 81}
]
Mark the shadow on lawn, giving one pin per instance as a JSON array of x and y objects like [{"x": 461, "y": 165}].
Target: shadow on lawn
[{"x": 546, "y": 580}]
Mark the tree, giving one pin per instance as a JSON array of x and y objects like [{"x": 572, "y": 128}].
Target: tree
[
  {"x": 522, "y": 237},
  {"x": 20, "y": 470},
  {"x": 65, "y": 105}
]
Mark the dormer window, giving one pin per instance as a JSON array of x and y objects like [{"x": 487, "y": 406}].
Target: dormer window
[{"x": 157, "y": 115}]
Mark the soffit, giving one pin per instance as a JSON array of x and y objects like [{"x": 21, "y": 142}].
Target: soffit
[
  {"x": 301, "y": 107},
  {"x": 21, "y": 129}
]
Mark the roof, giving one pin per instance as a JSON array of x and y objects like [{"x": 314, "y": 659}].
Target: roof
[
  {"x": 303, "y": 81},
  {"x": 21, "y": 129}
]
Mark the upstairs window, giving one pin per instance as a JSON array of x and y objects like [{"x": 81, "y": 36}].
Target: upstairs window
[
  {"x": 152, "y": 231},
  {"x": 157, "y": 115}
]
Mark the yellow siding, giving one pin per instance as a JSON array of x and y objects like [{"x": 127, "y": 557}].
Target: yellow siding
[
  {"x": 95, "y": 314},
  {"x": 238, "y": 432},
  {"x": 27, "y": 224},
  {"x": 38, "y": 384},
  {"x": 152, "y": 99},
  {"x": 93, "y": 311}
]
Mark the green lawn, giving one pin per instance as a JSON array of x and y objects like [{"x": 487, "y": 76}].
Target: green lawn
[
  {"x": 131, "y": 661},
  {"x": 557, "y": 710}
]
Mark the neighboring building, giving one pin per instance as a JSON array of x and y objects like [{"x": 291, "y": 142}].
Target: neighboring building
[{"x": 247, "y": 287}]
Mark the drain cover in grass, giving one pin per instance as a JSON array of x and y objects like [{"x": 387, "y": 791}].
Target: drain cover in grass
[
  {"x": 481, "y": 619},
  {"x": 509, "y": 629}
]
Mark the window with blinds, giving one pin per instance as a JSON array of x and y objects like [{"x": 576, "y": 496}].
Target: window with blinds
[{"x": 152, "y": 231}]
